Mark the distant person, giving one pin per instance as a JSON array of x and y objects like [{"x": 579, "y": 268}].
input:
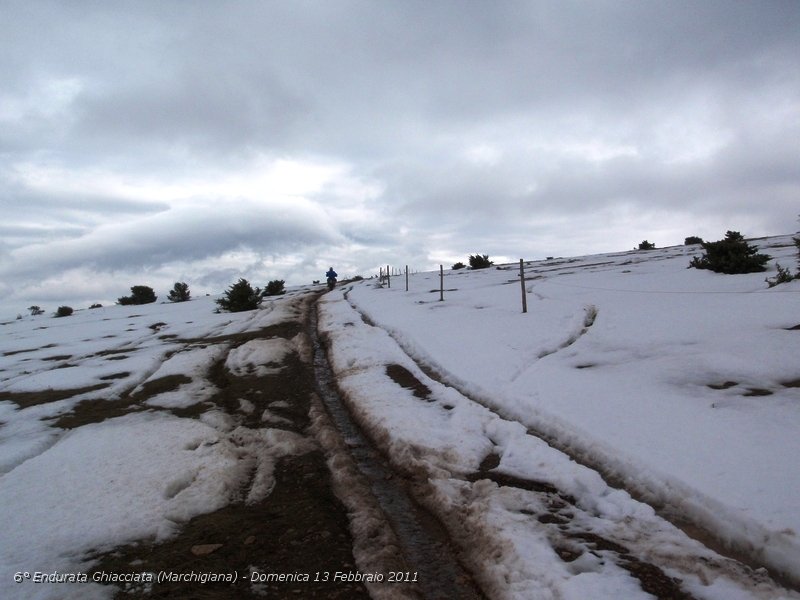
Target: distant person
[{"x": 331, "y": 275}]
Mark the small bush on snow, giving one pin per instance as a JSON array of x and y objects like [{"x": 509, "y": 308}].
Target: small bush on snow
[
  {"x": 480, "y": 261},
  {"x": 64, "y": 311},
  {"x": 797, "y": 243},
  {"x": 783, "y": 276},
  {"x": 140, "y": 294},
  {"x": 732, "y": 255},
  {"x": 240, "y": 296},
  {"x": 179, "y": 292},
  {"x": 275, "y": 288}
]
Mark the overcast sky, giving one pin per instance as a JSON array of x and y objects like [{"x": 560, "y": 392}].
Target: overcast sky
[{"x": 143, "y": 143}]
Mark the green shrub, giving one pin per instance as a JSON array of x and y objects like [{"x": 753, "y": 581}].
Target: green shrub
[
  {"x": 732, "y": 255},
  {"x": 480, "y": 261},
  {"x": 275, "y": 288},
  {"x": 96, "y": 306},
  {"x": 645, "y": 245},
  {"x": 783, "y": 276},
  {"x": 797, "y": 244},
  {"x": 179, "y": 292},
  {"x": 240, "y": 296},
  {"x": 692, "y": 239},
  {"x": 457, "y": 266},
  {"x": 140, "y": 294},
  {"x": 35, "y": 310},
  {"x": 64, "y": 311}
]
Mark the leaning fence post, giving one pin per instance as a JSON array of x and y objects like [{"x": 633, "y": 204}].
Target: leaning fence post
[
  {"x": 522, "y": 283},
  {"x": 441, "y": 283}
]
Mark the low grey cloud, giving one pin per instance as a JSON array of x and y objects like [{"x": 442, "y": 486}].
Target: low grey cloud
[
  {"x": 181, "y": 234},
  {"x": 220, "y": 139}
]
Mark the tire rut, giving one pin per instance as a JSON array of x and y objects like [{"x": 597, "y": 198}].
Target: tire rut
[{"x": 425, "y": 546}]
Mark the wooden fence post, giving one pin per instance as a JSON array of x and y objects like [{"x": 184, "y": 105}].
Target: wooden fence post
[
  {"x": 406, "y": 277},
  {"x": 388, "y": 277},
  {"x": 441, "y": 283},
  {"x": 522, "y": 283}
]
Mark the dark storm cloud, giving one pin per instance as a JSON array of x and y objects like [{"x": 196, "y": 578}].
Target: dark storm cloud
[{"x": 453, "y": 123}]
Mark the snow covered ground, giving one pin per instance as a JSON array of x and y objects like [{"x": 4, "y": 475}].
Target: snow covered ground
[
  {"x": 681, "y": 383},
  {"x": 76, "y": 488}
]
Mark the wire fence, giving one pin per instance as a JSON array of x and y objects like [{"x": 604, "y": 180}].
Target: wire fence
[{"x": 387, "y": 274}]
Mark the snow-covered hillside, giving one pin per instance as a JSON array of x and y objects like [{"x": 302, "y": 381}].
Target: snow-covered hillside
[
  {"x": 543, "y": 441},
  {"x": 682, "y": 383}
]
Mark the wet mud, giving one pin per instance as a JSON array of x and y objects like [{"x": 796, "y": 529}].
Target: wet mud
[{"x": 299, "y": 529}]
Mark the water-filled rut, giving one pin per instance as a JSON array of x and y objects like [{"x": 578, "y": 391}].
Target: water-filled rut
[{"x": 423, "y": 541}]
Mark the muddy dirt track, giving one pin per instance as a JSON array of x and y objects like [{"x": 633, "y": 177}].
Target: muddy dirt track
[
  {"x": 299, "y": 529},
  {"x": 297, "y": 541}
]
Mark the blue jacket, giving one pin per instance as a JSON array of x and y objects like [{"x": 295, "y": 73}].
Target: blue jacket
[{"x": 331, "y": 274}]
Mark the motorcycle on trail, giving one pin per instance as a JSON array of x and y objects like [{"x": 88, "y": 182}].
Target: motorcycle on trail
[{"x": 331, "y": 275}]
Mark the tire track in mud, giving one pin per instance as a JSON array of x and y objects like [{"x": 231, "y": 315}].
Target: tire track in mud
[
  {"x": 571, "y": 541},
  {"x": 423, "y": 542}
]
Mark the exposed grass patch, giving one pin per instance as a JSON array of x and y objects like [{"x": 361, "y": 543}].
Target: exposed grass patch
[
  {"x": 26, "y": 350},
  {"x": 121, "y": 375},
  {"x": 404, "y": 378},
  {"x": 27, "y": 399},
  {"x": 168, "y": 383},
  {"x": 651, "y": 578},
  {"x": 96, "y": 411},
  {"x": 112, "y": 351},
  {"x": 723, "y": 386},
  {"x": 757, "y": 392}
]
